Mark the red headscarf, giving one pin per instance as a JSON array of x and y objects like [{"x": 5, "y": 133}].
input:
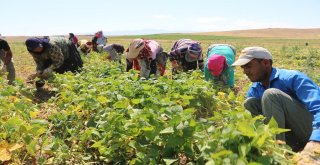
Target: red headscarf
[{"x": 216, "y": 64}]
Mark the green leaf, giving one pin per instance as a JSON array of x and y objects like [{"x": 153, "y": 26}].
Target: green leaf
[
  {"x": 259, "y": 117},
  {"x": 244, "y": 149},
  {"x": 13, "y": 123},
  {"x": 246, "y": 129},
  {"x": 261, "y": 140},
  {"x": 31, "y": 148},
  {"x": 273, "y": 123},
  {"x": 147, "y": 128},
  {"x": 254, "y": 163},
  {"x": 121, "y": 104},
  {"x": 211, "y": 162},
  {"x": 278, "y": 130},
  {"x": 186, "y": 97},
  {"x": 189, "y": 111},
  {"x": 135, "y": 101},
  {"x": 97, "y": 144},
  {"x": 167, "y": 130},
  {"x": 274, "y": 129},
  {"x": 91, "y": 122},
  {"x": 102, "y": 99},
  {"x": 192, "y": 123},
  {"x": 39, "y": 121},
  {"x": 169, "y": 161},
  {"x": 241, "y": 162},
  {"x": 221, "y": 154},
  {"x": 146, "y": 87},
  {"x": 231, "y": 96}
]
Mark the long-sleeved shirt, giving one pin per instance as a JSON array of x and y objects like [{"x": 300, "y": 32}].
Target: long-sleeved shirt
[
  {"x": 179, "y": 51},
  {"x": 112, "y": 52},
  {"x": 228, "y": 52},
  {"x": 146, "y": 60},
  {"x": 146, "y": 56},
  {"x": 298, "y": 86},
  {"x": 52, "y": 53}
]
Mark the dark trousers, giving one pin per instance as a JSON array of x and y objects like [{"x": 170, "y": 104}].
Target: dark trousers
[{"x": 288, "y": 112}]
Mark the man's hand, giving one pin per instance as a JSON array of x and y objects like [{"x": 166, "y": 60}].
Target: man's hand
[{"x": 309, "y": 155}]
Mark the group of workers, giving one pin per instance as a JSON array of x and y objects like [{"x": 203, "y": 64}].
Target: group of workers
[{"x": 289, "y": 96}]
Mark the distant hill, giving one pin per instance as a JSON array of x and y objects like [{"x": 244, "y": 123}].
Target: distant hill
[
  {"x": 283, "y": 33},
  {"x": 270, "y": 33}
]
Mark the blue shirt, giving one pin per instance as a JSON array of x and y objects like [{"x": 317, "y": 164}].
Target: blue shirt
[{"x": 298, "y": 86}]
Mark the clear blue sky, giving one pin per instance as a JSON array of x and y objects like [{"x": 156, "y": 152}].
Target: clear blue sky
[{"x": 49, "y": 17}]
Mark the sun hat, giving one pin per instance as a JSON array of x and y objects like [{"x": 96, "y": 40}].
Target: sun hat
[
  {"x": 135, "y": 47},
  {"x": 250, "y": 53}
]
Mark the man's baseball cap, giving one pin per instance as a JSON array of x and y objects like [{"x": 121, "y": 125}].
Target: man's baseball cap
[{"x": 250, "y": 53}]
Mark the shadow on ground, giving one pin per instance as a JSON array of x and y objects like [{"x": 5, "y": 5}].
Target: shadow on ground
[{"x": 42, "y": 95}]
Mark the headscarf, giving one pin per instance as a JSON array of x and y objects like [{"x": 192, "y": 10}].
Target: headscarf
[
  {"x": 194, "y": 48},
  {"x": 135, "y": 47},
  {"x": 217, "y": 64},
  {"x": 193, "y": 53},
  {"x": 35, "y": 42}
]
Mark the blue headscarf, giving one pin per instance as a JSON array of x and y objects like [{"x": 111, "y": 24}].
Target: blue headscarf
[{"x": 35, "y": 42}]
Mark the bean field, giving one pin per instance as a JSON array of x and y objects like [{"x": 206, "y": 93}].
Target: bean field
[{"x": 105, "y": 115}]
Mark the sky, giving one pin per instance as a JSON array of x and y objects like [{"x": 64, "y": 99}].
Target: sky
[{"x": 60, "y": 17}]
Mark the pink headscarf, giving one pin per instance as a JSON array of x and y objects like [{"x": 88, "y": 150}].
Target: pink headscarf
[{"x": 216, "y": 64}]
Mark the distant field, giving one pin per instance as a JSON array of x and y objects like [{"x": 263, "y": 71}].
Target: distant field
[{"x": 271, "y": 33}]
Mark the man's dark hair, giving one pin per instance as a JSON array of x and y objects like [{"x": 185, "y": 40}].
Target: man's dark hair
[{"x": 264, "y": 59}]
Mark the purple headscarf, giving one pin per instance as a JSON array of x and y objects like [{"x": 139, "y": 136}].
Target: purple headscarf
[{"x": 35, "y": 42}]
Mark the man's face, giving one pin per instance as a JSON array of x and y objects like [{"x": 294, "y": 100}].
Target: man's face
[{"x": 255, "y": 70}]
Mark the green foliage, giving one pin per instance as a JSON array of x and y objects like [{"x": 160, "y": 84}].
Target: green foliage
[{"x": 104, "y": 115}]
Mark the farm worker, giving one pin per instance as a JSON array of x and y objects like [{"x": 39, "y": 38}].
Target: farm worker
[
  {"x": 53, "y": 54},
  {"x": 146, "y": 56},
  {"x": 218, "y": 64},
  {"x": 185, "y": 55},
  {"x": 84, "y": 46},
  {"x": 113, "y": 51},
  {"x": 73, "y": 39},
  {"x": 289, "y": 96},
  {"x": 6, "y": 58},
  {"x": 99, "y": 41}
]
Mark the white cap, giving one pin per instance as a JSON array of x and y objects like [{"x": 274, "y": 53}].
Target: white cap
[{"x": 250, "y": 53}]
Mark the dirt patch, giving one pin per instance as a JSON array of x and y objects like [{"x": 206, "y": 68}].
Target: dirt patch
[{"x": 43, "y": 95}]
